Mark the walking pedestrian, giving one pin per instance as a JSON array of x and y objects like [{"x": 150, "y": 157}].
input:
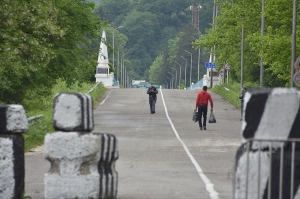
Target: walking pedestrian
[
  {"x": 244, "y": 90},
  {"x": 152, "y": 91},
  {"x": 201, "y": 103}
]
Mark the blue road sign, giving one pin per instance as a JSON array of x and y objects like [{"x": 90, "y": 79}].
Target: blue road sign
[{"x": 210, "y": 65}]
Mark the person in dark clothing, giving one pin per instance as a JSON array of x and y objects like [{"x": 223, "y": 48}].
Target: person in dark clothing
[
  {"x": 244, "y": 90},
  {"x": 201, "y": 103},
  {"x": 152, "y": 92}
]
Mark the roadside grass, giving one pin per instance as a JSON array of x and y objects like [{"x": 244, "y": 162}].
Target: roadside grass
[
  {"x": 43, "y": 106},
  {"x": 232, "y": 91}
]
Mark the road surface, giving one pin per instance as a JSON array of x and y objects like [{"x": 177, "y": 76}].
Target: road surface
[{"x": 162, "y": 155}]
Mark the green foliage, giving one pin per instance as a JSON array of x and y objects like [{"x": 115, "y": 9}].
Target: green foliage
[
  {"x": 23, "y": 195},
  {"x": 41, "y": 41},
  {"x": 142, "y": 27},
  {"x": 25, "y": 49},
  {"x": 232, "y": 91},
  {"x": 274, "y": 46},
  {"x": 155, "y": 69},
  {"x": 150, "y": 25},
  {"x": 39, "y": 105}
]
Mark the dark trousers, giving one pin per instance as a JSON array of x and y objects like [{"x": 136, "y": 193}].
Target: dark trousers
[
  {"x": 202, "y": 112},
  {"x": 242, "y": 107},
  {"x": 152, "y": 102}
]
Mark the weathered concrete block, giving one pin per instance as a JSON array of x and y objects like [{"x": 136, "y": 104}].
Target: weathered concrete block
[
  {"x": 74, "y": 159},
  {"x": 254, "y": 172},
  {"x": 13, "y": 119},
  {"x": 82, "y": 165},
  {"x": 12, "y": 170},
  {"x": 271, "y": 114},
  {"x": 271, "y": 117},
  {"x": 106, "y": 166},
  {"x": 248, "y": 182},
  {"x": 73, "y": 112}
]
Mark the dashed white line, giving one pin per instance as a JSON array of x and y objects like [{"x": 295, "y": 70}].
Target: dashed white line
[{"x": 209, "y": 186}]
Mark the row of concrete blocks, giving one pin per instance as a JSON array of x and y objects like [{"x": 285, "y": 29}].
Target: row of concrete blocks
[
  {"x": 268, "y": 161},
  {"x": 82, "y": 161}
]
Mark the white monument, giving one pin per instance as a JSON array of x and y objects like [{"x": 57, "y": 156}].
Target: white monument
[{"x": 102, "y": 71}]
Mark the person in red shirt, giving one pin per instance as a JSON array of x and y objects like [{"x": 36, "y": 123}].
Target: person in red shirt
[{"x": 202, "y": 103}]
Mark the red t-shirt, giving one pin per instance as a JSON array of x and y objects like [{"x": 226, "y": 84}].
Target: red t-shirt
[{"x": 203, "y": 98}]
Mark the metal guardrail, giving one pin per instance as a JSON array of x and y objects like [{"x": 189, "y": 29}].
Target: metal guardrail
[
  {"x": 281, "y": 155},
  {"x": 93, "y": 87},
  {"x": 32, "y": 119}
]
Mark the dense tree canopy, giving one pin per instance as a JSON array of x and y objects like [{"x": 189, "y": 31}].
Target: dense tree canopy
[
  {"x": 274, "y": 46},
  {"x": 42, "y": 41}
]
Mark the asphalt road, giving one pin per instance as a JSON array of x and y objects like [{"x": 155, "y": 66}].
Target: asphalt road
[{"x": 162, "y": 155}]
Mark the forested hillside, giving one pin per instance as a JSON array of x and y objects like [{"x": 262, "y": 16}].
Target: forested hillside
[
  {"x": 151, "y": 28},
  {"x": 158, "y": 37}
]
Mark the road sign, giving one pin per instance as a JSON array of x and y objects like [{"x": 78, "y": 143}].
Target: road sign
[
  {"x": 210, "y": 65},
  {"x": 297, "y": 64},
  {"x": 297, "y": 78},
  {"x": 227, "y": 67}
]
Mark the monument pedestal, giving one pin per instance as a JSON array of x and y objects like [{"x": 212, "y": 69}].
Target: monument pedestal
[{"x": 106, "y": 79}]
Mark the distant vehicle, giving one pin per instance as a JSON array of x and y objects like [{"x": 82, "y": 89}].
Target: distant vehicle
[
  {"x": 136, "y": 82},
  {"x": 143, "y": 84}
]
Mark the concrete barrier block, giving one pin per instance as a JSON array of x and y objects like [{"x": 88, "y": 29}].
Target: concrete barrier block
[
  {"x": 12, "y": 170},
  {"x": 74, "y": 160},
  {"x": 13, "y": 119},
  {"x": 248, "y": 180},
  {"x": 256, "y": 171},
  {"x": 82, "y": 165},
  {"x": 73, "y": 112},
  {"x": 106, "y": 166},
  {"x": 271, "y": 114}
]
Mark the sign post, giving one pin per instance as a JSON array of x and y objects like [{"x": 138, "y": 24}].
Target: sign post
[{"x": 227, "y": 67}]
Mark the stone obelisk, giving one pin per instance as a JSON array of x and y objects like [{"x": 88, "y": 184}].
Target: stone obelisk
[{"x": 102, "y": 71}]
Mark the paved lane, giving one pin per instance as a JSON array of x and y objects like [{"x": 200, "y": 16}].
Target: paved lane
[{"x": 153, "y": 162}]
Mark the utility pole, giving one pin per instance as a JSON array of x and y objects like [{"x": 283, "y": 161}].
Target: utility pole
[
  {"x": 179, "y": 73},
  {"x": 262, "y": 34},
  {"x": 295, "y": 8},
  {"x": 213, "y": 48},
  {"x": 242, "y": 52}
]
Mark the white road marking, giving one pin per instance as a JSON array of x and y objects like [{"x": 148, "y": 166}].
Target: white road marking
[
  {"x": 209, "y": 186},
  {"x": 105, "y": 99}
]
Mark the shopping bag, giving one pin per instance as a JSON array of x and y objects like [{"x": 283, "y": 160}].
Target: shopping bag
[
  {"x": 212, "y": 118},
  {"x": 195, "y": 117}
]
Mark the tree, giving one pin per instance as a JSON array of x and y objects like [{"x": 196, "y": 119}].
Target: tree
[
  {"x": 44, "y": 41},
  {"x": 155, "y": 69},
  {"x": 142, "y": 30},
  {"x": 274, "y": 46},
  {"x": 25, "y": 45}
]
